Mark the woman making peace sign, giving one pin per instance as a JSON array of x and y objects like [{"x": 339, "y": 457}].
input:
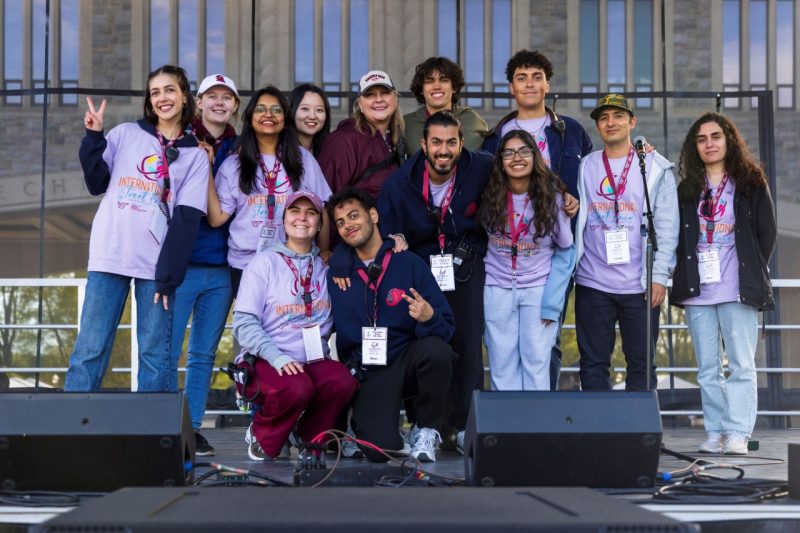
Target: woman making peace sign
[{"x": 155, "y": 179}]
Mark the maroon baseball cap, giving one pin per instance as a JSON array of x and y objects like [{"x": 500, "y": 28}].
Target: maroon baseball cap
[{"x": 313, "y": 198}]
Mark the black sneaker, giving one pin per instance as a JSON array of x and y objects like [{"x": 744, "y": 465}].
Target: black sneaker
[{"x": 201, "y": 445}]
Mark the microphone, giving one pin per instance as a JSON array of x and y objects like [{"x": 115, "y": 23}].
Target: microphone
[{"x": 639, "y": 143}]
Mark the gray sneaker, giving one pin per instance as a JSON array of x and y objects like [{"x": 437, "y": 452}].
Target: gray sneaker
[
  {"x": 460, "y": 442},
  {"x": 735, "y": 443},
  {"x": 256, "y": 453},
  {"x": 426, "y": 440},
  {"x": 349, "y": 448}
]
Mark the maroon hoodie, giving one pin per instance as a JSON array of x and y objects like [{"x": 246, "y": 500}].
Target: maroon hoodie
[{"x": 347, "y": 154}]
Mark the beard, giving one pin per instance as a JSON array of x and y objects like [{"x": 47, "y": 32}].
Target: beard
[{"x": 441, "y": 168}]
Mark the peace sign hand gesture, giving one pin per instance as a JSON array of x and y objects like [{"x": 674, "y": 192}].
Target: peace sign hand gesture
[
  {"x": 419, "y": 309},
  {"x": 93, "y": 119}
]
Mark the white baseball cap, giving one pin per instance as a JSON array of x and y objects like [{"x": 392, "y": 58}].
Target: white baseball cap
[
  {"x": 373, "y": 78},
  {"x": 215, "y": 80}
]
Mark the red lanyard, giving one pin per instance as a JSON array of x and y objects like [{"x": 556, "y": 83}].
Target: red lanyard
[
  {"x": 618, "y": 190},
  {"x": 270, "y": 179},
  {"x": 374, "y": 286},
  {"x": 448, "y": 197},
  {"x": 711, "y": 204},
  {"x": 163, "y": 172},
  {"x": 515, "y": 229},
  {"x": 304, "y": 282}
]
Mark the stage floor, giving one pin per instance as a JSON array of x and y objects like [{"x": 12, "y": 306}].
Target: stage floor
[{"x": 768, "y": 462}]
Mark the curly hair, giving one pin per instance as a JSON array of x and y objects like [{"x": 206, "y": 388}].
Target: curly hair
[
  {"x": 447, "y": 68},
  {"x": 543, "y": 189},
  {"x": 742, "y": 167},
  {"x": 288, "y": 144},
  {"x": 527, "y": 59}
]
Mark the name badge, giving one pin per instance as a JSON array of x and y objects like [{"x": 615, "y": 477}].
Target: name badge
[
  {"x": 374, "y": 344},
  {"x": 158, "y": 225},
  {"x": 618, "y": 250},
  {"x": 443, "y": 271},
  {"x": 709, "y": 267},
  {"x": 267, "y": 237},
  {"x": 312, "y": 340}
]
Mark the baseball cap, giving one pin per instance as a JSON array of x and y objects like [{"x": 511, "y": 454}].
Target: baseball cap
[
  {"x": 215, "y": 80},
  {"x": 310, "y": 196},
  {"x": 611, "y": 100},
  {"x": 373, "y": 78}
]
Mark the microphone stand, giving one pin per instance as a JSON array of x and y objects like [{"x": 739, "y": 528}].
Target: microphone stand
[{"x": 652, "y": 246}]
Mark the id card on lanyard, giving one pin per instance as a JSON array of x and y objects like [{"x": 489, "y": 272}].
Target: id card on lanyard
[
  {"x": 441, "y": 265},
  {"x": 618, "y": 249},
  {"x": 312, "y": 338},
  {"x": 270, "y": 228},
  {"x": 515, "y": 230},
  {"x": 159, "y": 222},
  {"x": 709, "y": 266},
  {"x": 374, "y": 339}
]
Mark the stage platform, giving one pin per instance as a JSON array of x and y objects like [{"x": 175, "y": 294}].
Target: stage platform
[{"x": 768, "y": 462}]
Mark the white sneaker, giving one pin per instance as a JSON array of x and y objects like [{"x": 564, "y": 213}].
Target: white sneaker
[
  {"x": 714, "y": 442},
  {"x": 735, "y": 443},
  {"x": 248, "y": 435},
  {"x": 460, "y": 442},
  {"x": 425, "y": 442}
]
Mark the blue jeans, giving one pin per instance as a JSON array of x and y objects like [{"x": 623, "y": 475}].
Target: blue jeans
[
  {"x": 206, "y": 295},
  {"x": 102, "y": 311},
  {"x": 596, "y": 313},
  {"x": 518, "y": 343},
  {"x": 728, "y": 404}
]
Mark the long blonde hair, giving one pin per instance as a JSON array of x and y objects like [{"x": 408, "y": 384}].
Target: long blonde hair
[{"x": 397, "y": 125}]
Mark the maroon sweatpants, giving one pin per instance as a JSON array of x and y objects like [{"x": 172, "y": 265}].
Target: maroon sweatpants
[{"x": 318, "y": 394}]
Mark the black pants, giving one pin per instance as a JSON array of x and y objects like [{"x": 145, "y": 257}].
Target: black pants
[
  {"x": 421, "y": 373},
  {"x": 467, "y": 305},
  {"x": 596, "y": 313}
]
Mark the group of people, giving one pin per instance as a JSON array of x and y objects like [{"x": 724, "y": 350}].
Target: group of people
[{"x": 416, "y": 239}]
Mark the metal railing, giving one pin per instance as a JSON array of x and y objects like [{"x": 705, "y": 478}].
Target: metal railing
[{"x": 80, "y": 286}]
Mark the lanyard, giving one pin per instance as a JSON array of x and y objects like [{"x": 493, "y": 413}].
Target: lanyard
[
  {"x": 711, "y": 204},
  {"x": 515, "y": 229},
  {"x": 304, "y": 282},
  {"x": 163, "y": 172},
  {"x": 448, "y": 197},
  {"x": 374, "y": 286},
  {"x": 618, "y": 189},
  {"x": 270, "y": 179}
]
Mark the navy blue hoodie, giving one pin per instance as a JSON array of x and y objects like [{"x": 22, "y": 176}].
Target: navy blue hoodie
[
  {"x": 352, "y": 309},
  {"x": 402, "y": 208}
]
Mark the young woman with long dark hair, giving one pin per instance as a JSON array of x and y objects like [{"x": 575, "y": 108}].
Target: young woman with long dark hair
[
  {"x": 254, "y": 183},
  {"x": 728, "y": 233},
  {"x": 529, "y": 261},
  {"x": 154, "y": 178},
  {"x": 312, "y": 116}
]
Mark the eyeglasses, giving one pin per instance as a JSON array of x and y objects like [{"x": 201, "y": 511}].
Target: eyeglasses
[
  {"x": 274, "y": 110},
  {"x": 524, "y": 152}
]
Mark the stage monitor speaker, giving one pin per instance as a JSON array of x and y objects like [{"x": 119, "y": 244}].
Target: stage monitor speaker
[
  {"x": 94, "y": 441},
  {"x": 599, "y": 439}
]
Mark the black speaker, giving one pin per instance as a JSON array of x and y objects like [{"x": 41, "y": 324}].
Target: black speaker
[
  {"x": 608, "y": 439},
  {"x": 94, "y": 441}
]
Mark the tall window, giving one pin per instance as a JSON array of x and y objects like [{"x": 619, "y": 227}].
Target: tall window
[
  {"x": 446, "y": 21},
  {"x": 329, "y": 45},
  {"x": 359, "y": 41},
  {"x": 643, "y": 50},
  {"x": 501, "y": 48},
  {"x": 200, "y": 48},
  {"x": 24, "y": 62},
  {"x": 615, "y": 47},
  {"x": 731, "y": 78},
  {"x": 332, "y": 47},
  {"x": 68, "y": 50},
  {"x": 758, "y": 47},
  {"x": 784, "y": 61},
  {"x": 474, "y": 49},
  {"x": 589, "y": 49}
]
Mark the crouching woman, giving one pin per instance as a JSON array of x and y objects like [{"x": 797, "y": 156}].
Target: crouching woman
[{"x": 282, "y": 320}]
